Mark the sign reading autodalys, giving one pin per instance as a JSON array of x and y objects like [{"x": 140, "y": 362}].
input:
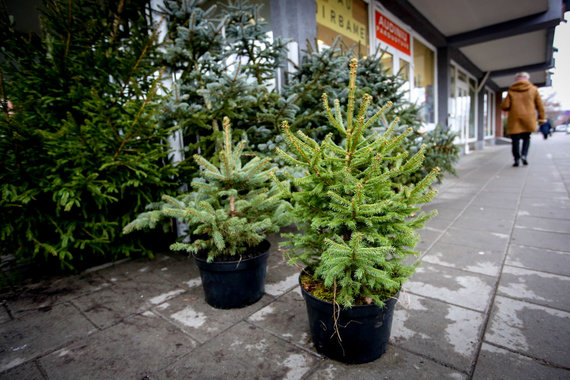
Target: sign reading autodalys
[
  {"x": 390, "y": 33},
  {"x": 348, "y": 18}
]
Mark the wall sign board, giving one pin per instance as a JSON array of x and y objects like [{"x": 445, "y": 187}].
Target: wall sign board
[{"x": 390, "y": 33}]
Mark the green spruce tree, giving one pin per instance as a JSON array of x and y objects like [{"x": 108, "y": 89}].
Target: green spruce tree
[
  {"x": 81, "y": 150},
  {"x": 233, "y": 207},
  {"x": 356, "y": 224}
]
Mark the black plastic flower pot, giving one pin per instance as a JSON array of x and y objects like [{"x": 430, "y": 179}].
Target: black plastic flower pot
[
  {"x": 234, "y": 284},
  {"x": 360, "y": 334}
]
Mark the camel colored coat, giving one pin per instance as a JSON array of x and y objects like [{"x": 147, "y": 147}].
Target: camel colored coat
[{"x": 522, "y": 102}]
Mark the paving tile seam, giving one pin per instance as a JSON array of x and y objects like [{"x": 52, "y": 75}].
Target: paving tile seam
[
  {"x": 41, "y": 369},
  {"x": 179, "y": 326},
  {"x": 461, "y": 270},
  {"x": 426, "y": 357},
  {"x": 445, "y": 302},
  {"x": 487, "y": 315},
  {"x": 319, "y": 365},
  {"x": 47, "y": 352},
  {"x": 540, "y": 360},
  {"x": 514, "y": 244},
  {"x": 557, "y": 163},
  {"x": 530, "y": 302},
  {"x": 537, "y": 270},
  {"x": 536, "y": 247},
  {"x": 85, "y": 316},
  {"x": 457, "y": 217},
  {"x": 277, "y": 335}
]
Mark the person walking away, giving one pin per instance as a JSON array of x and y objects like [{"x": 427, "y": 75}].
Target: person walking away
[
  {"x": 546, "y": 129},
  {"x": 522, "y": 102}
]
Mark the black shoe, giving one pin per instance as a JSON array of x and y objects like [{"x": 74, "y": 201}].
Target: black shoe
[
  {"x": 524, "y": 161},
  {"x": 516, "y": 164}
]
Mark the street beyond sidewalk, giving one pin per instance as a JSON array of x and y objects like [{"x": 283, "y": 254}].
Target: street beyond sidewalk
[{"x": 491, "y": 299}]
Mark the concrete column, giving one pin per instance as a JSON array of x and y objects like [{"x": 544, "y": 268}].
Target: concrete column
[
  {"x": 498, "y": 115},
  {"x": 443, "y": 84},
  {"x": 480, "y": 117},
  {"x": 295, "y": 19}
]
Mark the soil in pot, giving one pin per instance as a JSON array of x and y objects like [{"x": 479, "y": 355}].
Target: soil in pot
[
  {"x": 356, "y": 335},
  {"x": 234, "y": 283}
]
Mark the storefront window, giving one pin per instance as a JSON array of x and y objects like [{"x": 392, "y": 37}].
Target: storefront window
[
  {"x": 404, "y": 71},
  {"x": 423, "y": 92},
  {"x": 488, "y": 112},
  {"x": 387, "y": 61},
  {"x": 348, "y": 18}
]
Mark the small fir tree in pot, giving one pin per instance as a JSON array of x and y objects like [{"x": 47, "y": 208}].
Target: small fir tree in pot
[
  {"x": 232, "y": 208},
  {"x": 357, "y": 224}
]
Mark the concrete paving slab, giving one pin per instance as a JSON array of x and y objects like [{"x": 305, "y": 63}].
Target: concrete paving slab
[
  {"x": 286, "y": 318},
  {"x": 544, "y": 224},
  {"x": 541, "y": 239},
  {"x": 495, "y": 199},
  {"x": 281, "y": 279},
  {"x": 194, "y": 316},
  {"x": 459, "y": 199},
  {"x": 445, "y": 333},
  {"x": 243, "y": 352},
  {"x": 542, "y": 207},
  {"x": 500, "y": 185},
  {"x": 174, "y": 268},
  {"x": 110, "y": 305},
  {"x": 538, "y": 190},
  {"x": 441, "y": 224},
  {"x": 4, "y": 315},
  {"x": 445, "y": 212},
  {"x": 34, "y": 334},
  {"x": 466, "y": 289},
  {"x": 532, "y": 330},
  {"x": 47, "y": 294},
  {"x": 482, "y": 240},
  {"x": 428, "y": 236},
  {"x": 486, "y": 219},
  {"x": 536, "y": 287},
  {"x": 540, "y": 259},
  {"x": 497, "y": 363},
  {"x": 146, "y": 344},
  {"x": 394, "y": 364},
  {"x": 27, "y": 371},
  {"x": 468, "y": 259}
]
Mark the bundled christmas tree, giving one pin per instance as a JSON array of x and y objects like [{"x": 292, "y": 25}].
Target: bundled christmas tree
[
  {"x": 356, "y": 224},
  {"x": 81, "y": 150},
  {"x": 232, "y": 208}
]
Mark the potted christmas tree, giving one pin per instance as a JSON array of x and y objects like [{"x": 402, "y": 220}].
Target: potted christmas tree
[
  {"x": 356, "y": 227},
  {"x": 232, "y": 208}
]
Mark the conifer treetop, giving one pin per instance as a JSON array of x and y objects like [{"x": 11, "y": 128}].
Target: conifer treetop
[
  {"x": 356, "y": 223},
  {"x": 232, "y": 207}
]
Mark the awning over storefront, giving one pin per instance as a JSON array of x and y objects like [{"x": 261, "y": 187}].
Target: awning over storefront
[{"x": 494, "y": 39}]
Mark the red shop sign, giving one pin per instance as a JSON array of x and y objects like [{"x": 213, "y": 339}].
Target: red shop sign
[{"x": 392, "y": 34}]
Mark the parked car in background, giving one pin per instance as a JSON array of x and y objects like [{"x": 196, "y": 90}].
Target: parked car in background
[{"x": 561, "y": 128}]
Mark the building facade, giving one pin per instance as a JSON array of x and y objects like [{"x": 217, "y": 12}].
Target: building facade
[{"x": 457, "y": 56}]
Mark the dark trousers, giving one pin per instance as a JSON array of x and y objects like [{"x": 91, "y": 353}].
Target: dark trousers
[{"x": 516, "y": 138}]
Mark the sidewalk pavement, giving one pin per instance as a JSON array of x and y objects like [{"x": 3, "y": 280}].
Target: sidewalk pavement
[{"x": 491, "y": 299}]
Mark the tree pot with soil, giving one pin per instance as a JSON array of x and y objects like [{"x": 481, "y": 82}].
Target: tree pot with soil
[
  {"x": 356, "y": 225},
  {"x": 232, "y": 208}
]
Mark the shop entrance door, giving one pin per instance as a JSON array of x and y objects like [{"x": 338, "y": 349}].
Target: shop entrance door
[{"x": 463, "y": 108}]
